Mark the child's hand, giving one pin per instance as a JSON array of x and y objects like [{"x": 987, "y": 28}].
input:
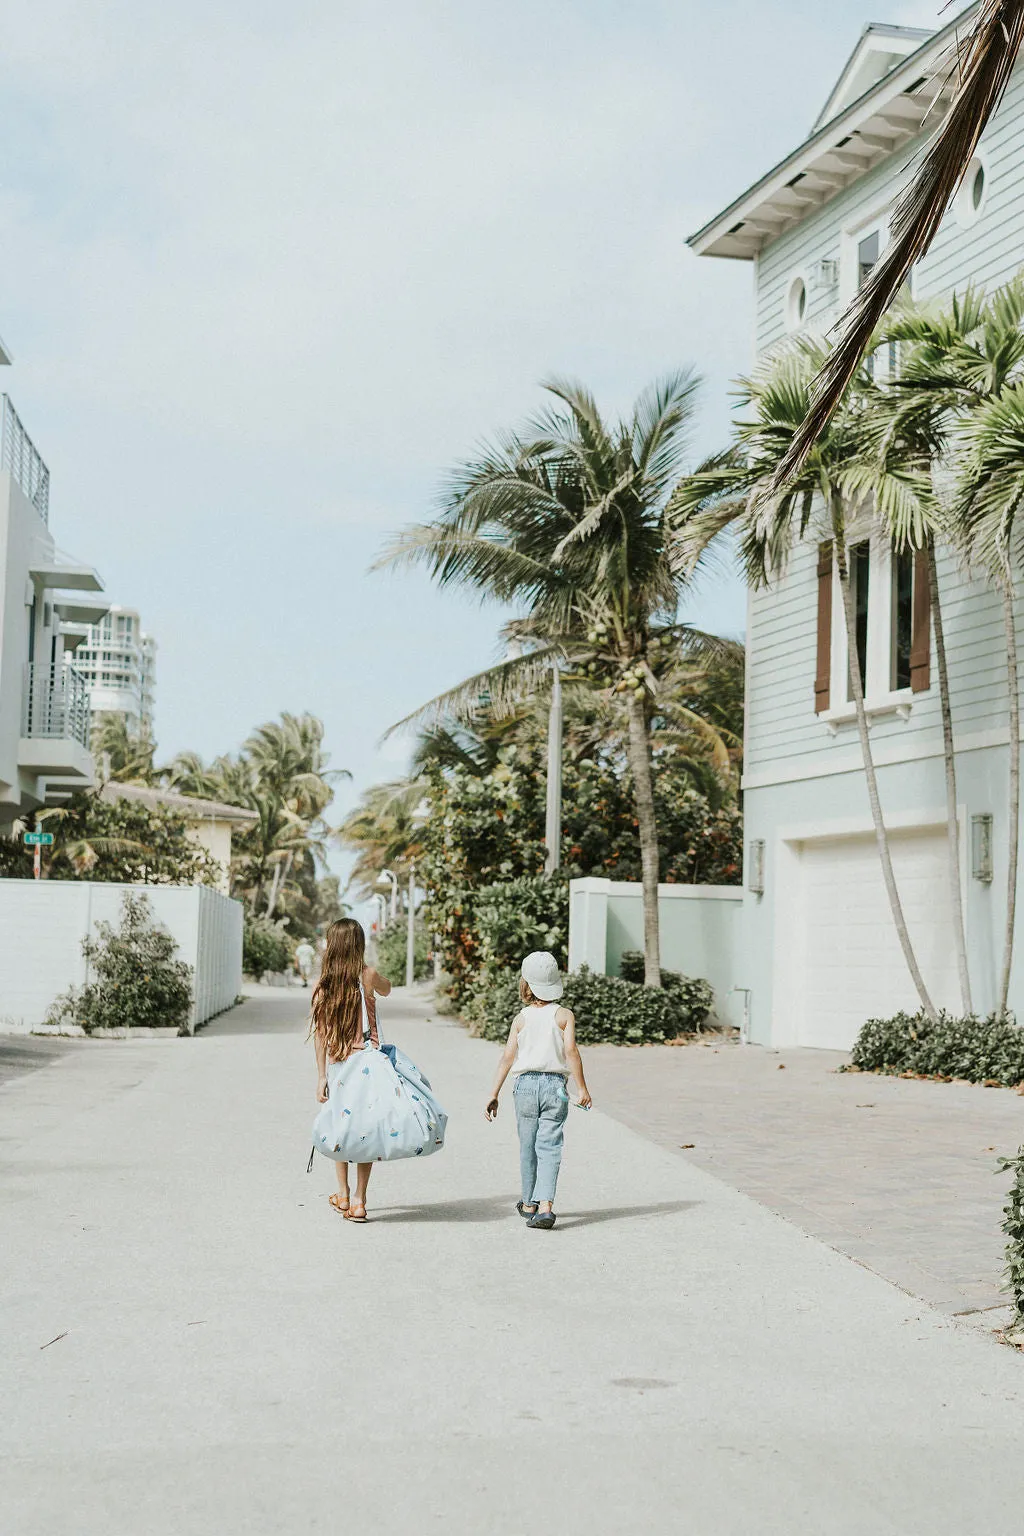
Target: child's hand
[
  {"x": 492, "y": 1108},
  {"x": 585, "y": 1101},
  {"x": 321, "y": 1091}
]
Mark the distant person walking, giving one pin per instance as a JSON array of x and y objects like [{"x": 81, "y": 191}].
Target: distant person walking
[
  {"x": 541, "y": 1054},
  {"x": 347, "y": 985},
  {"x": 305, "y": 961}
]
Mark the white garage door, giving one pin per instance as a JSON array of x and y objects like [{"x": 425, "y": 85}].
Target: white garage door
[{"x": 853, "y": 967}]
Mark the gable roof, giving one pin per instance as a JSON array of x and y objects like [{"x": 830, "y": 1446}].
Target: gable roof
[
  {"x": 188, "y": 806},
  {"x": 886, "y": 116},
  {"x": 879, "y": 49}
]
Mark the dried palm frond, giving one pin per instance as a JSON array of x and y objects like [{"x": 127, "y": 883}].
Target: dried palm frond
[{"x": 982, "y": 63}]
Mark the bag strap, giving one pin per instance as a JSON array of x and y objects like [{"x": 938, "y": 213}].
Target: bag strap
[{"x": 366, "y": 1018}]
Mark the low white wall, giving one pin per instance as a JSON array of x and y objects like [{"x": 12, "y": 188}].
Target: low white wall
[
  {"x": 700, "y": 932},
  {"x": 43, "y": 923}
]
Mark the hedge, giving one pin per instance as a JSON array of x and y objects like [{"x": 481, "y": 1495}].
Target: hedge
[
  {"x": 391, "y": 950},
  {"x": 265, "y": 947},
  {"x": 980, "y": 1050},
  {"x": 609, "y": 1010},
  {"x": 138, "y": 981},
  {"x": 691, "y": 996},
  {"x": 1013, "y": 1227}
]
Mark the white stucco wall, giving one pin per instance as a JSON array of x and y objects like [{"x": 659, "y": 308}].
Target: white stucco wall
[
  {"x": 43, "y": 923},
  {"x": 700, "y": 932}
]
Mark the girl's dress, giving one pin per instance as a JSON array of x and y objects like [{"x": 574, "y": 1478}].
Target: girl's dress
[{"x": 541, "y": 1100}]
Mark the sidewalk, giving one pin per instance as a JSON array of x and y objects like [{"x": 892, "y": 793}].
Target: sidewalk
[
  {"x": 897, "y": 1174},
  {"x": 193, "y": 1343}
]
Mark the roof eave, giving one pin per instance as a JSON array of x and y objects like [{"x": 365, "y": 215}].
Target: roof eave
[{"x": 870, "y": 129}]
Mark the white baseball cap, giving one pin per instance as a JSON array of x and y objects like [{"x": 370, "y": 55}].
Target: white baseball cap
[{"x": 540, "y": 972}]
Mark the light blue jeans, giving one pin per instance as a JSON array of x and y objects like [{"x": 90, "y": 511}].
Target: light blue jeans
[{"x": 542, "y": 1104}]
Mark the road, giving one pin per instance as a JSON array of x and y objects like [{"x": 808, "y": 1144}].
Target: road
[{"x": 193, "y": 1342}]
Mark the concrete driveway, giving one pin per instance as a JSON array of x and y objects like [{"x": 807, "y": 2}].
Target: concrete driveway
[{"x": 192, "y": 1341}]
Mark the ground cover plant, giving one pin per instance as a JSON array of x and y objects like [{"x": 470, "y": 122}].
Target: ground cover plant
[
  {"x": 265, "y": 947},
  {"x": 609, "y": 1010},
  {"x": 1013, "y": 1227},
  {"x": 391, "y": 947},
  {"x": 989, "y": 1050},
  {"x": 137, "y": 981}
]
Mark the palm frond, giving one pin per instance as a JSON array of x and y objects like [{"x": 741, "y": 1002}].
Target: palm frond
[
  {"x": 983, "y": 63},
  {"x": 503, "y": 687}
]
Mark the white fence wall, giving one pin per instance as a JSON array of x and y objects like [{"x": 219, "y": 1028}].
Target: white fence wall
[
  {"x": 700, "y": 932},
  {"x": 43, "y": 923}
]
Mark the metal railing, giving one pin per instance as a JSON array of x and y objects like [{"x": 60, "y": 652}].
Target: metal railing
[
  {"x": 19, "y": 454},
  {"x": 56, "y": 703}
]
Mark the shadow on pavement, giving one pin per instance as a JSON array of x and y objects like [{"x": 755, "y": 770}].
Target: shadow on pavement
[
  {"x": 499, "y": 1208},
  {"x": 623, "y": 1212},
  {"x": 491, "y": 1208}
]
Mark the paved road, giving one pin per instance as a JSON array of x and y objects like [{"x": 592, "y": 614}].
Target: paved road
[
  {"x": 192, "y": 1342},
  {"x": 27, "y": 1053},
  {"x": 898, "y": 1174}
]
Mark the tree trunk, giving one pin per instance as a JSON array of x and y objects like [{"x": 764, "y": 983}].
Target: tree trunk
[
  {"x": 881, "y": 835},
  {"x": 647, "y": 825},
  {"x": 952, "y": 823},
  {"x": 1013, "y": 808}
]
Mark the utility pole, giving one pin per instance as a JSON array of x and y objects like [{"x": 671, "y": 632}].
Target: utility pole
[
  {"x": 553, "y": 818},
  {"x": 410, "y": 937}
]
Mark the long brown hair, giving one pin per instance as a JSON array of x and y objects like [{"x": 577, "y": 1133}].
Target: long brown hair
[{"x": 336, "y": 1009}]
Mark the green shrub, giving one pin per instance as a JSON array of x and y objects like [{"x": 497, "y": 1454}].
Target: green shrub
[
  {"x": 138, "y": 982},
  {"x": 1013, "y": 1227},
  {"x": 391, "y": 951},
  {"x": 265, "y": 947},
  {"x": 609, "y": 1011},
  {"x": 692, "y": 997},
  {"x": 981, "y": 1050}
]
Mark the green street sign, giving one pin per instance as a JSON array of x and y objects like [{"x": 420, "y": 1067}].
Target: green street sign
[{"x": 45, "y": 838}]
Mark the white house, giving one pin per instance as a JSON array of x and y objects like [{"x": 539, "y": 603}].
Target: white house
[
  {"x": 210, "y": 822},
  {"x": 46, "y": 599},
  {"x": 118, "y": 661},
  {"x": 818, "y": 951}
]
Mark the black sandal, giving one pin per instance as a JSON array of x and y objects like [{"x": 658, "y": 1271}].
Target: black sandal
[
  {"x": 526, "y": 1215},
  {"x": 545, "y": 1220}
]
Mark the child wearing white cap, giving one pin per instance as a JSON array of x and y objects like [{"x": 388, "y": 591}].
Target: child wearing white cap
[{"x": 540, "y": 1054}]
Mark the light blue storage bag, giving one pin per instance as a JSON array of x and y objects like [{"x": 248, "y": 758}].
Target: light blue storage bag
[{"x": 379, "y": 1106}]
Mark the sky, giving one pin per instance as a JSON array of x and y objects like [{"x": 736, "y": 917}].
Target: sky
[{"x": 269, "y": 271}]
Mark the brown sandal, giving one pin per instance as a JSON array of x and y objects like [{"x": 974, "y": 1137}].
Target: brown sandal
[
  {"x": 350, "y": 1214},
  {"x": 339, "y": 1203}
]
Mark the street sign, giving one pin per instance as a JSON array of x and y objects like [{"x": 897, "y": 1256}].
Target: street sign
[{"x": 37, "y": 838}]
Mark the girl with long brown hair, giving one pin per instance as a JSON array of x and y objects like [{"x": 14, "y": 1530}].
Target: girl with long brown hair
[{"x": 336, "y": 1024}]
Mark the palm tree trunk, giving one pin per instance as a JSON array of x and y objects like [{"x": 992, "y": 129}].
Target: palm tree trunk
[
  {"x": 952, "y": 823},
  {"x": 647, "y": 826},
  {"x": 1013, "y": 809},
  {"x": 881, "y": 835}
]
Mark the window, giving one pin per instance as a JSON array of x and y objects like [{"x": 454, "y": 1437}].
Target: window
[
  {"x": 970, "y": 200},
  {"x": 869, "y": 248},
  {"x": 892, "y": 627},
  {"x": 796, "y": 303},
  {"x": 902, "y": 617},
  {"x": 860, "y": 582}
]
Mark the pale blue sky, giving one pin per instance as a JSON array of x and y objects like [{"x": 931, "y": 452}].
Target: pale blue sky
[{"x": 267, "y": 271}]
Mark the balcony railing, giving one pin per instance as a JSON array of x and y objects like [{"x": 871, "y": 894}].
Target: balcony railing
[
  {"x": 18, "y": 453},
  {"x": 56, "y": 703}
]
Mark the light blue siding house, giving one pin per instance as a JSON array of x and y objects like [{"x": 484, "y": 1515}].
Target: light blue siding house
[{"x": 818, "y": 951}]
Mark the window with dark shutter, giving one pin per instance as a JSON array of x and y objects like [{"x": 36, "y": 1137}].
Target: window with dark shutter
[
  {"x": 823, "y": 674},
  {"x": 921, "y": 633}
]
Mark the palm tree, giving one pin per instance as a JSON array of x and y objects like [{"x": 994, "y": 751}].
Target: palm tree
[
  {"x": 281, "y": 773},
  {"x": 124, "y": 756},
  {"x": 386, "y": 832},
  {"x": 958, "y": 364},
  {"x": 567, "y": 521},
  {"x": 740, "y": 485}
]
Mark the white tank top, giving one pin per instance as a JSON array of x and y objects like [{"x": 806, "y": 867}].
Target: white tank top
[{"x": 540, "y": 1044}]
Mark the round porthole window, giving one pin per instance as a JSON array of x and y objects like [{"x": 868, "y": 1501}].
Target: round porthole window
[
  {"x": 796, "y": 303},
  {"x": 971, "y": 197}
]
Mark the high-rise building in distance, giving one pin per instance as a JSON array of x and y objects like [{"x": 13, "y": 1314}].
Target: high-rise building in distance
[{"x": 118, "y": 661}]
